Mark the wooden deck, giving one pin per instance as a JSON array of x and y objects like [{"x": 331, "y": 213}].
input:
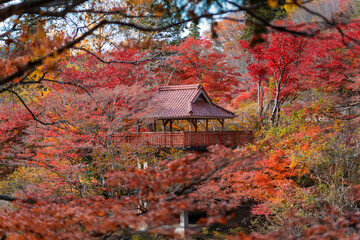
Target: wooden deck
[{"x": 190, "y": 139}]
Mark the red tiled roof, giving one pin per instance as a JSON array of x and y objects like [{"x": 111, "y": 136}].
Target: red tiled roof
[{"x": 183, "y": 101}]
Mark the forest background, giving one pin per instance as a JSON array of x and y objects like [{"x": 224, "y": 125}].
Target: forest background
[{"x": 77, "y": 74}]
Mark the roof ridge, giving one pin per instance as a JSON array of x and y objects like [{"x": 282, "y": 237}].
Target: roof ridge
[{"x": 180, "y": 87}]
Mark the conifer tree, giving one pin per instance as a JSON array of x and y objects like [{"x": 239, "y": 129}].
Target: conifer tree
[{"x": 194, "y": 30}]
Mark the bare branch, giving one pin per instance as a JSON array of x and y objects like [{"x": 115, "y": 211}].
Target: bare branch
[
  {"x": 330, "y": 22},
  {"x": 79, "y": 86},
  {"x": 7, "y": 198},
  {"x": 69, "y": 7},
  {"x": 267, "y": 23},
  {"x": 31, "y": 112},
  {"x": 208, "y": 177},
  {"x": 12, "y": 199},
  {"x": 32, "y": 64},
  {"x": 117, "y": 61}
]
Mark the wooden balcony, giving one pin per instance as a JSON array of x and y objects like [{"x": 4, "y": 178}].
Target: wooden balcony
[{"x": 186, "y": 140}]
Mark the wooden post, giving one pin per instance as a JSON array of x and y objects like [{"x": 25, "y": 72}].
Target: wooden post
[
  {"x": 171, "y": 122},
  {"x": 171, "y": 135},
  {"x": 184, "y": 219},
  {"x": 180, "y": 232},
  {"x": 137, "y": 127},
  {"x": 184, "y": 140},
  {"x": 190, "y": 127},
  {"x": 195, "y": 125},
  {"x": 196, "y": 143},
  {"x": 207, "y": 125},
  {"x": 164, "y": 124},
  {"x": 222, "y": 124},
  {"x": 154, "y": 126}
]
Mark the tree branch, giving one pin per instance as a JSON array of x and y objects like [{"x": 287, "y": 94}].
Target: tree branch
[
  {"x": 32, "y": 64},
  {"x": 31, "y": 112},
  {"x": 13, "y": 199},
  {"x": 136, "y": 62},
  {"x": 181, "y": 189}
]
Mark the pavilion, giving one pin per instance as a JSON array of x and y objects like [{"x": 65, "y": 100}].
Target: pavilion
[
  {"x": 192, "y": 104},
  {"x": 186, "y": 102}
]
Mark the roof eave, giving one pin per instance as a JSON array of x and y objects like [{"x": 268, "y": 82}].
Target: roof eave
[{"x": 192, "y": 117}]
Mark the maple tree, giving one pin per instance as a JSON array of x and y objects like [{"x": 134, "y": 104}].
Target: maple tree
[
  {"x": 91, "y": 114},
  {"x": 47, "y": 37},
  {"x": 63, "y": 114},
  {"x": 80, "y": 164},
  {"x": 305, "y": 162},
  {"x": 13, "y": 129},
  {"x": 279, "y": 69},
  {"x": 286, "y": 65},
  {"x": 307, "y": 157},
  {"x": 196, "y": 61}
]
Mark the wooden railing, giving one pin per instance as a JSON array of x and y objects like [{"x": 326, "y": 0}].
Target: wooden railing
[{"x": 189, "y": 139}]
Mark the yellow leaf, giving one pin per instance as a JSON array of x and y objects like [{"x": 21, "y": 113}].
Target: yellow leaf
[
  {"x": 290, "y": 5},
  {"x": 294, "y": 1},
  {"x": 272, "y": 3},
  {"x": 159, "y": 10}
]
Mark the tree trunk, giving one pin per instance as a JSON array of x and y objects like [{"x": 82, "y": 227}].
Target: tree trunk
[{"x": 276, "y": 107}]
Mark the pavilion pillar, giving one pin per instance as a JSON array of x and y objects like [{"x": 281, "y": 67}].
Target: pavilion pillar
[
  {"x": 222, "y": 123},
  {"x": 171, "y": 122},
  {"x": 207, "y": 125},
  {"x": 165, "y": 122},
  {"x": 184, "y": 225},
  {"x": 154, "y": 126},
  {"x": 193, "y": 122},
  {"x": 137, "y": 126}
]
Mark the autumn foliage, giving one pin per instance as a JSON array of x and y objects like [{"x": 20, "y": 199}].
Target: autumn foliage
[{"x": 66, "y": 173}]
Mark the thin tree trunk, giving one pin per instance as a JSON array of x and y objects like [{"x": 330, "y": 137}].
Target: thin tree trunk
[
  {"x": 260, "y": 100},
  {"x": 276, "y": 106}
]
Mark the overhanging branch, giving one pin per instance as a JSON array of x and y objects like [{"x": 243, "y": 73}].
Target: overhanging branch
[
  {"x": 13, "y": 199},
  {"x": 136, "y": 62},
  {"x": 31, "y": 112}
]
